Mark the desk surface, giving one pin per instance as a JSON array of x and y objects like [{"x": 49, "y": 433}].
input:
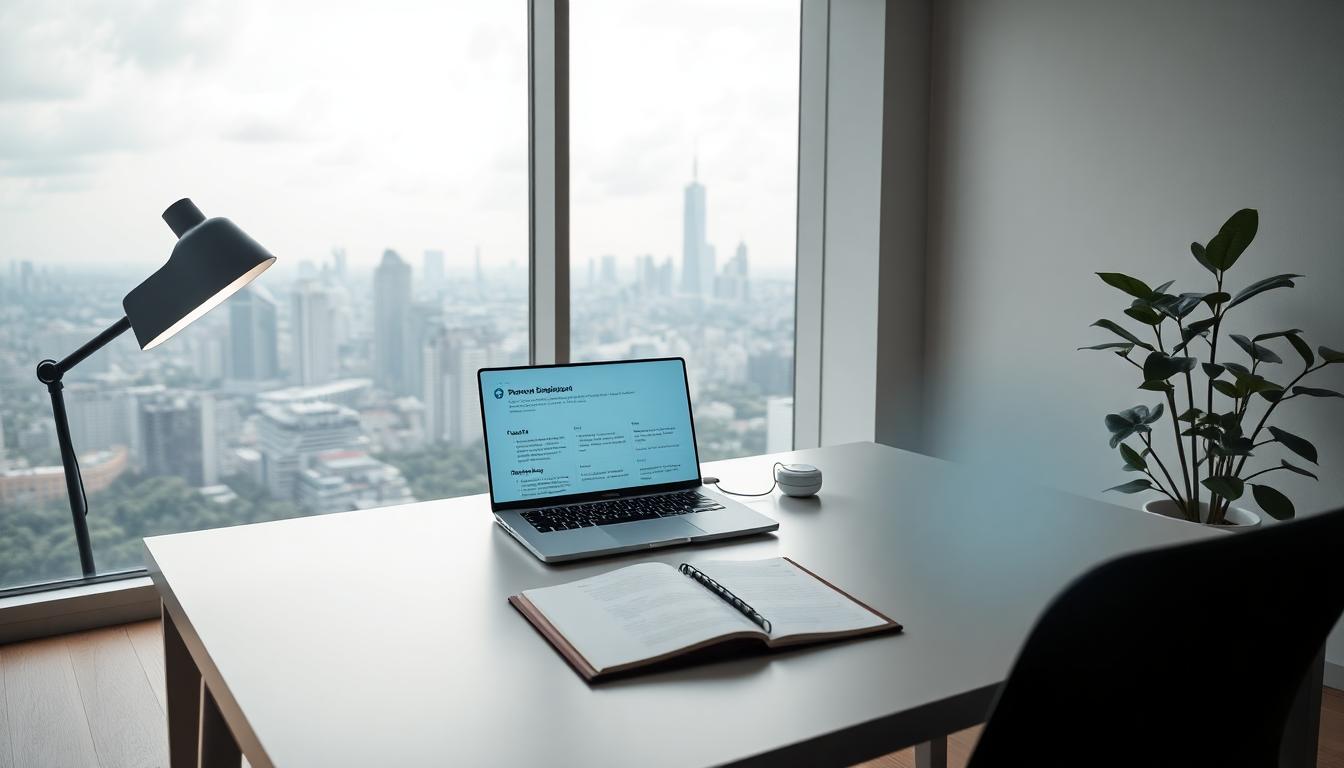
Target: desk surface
[{"x": 383, "y": 637}]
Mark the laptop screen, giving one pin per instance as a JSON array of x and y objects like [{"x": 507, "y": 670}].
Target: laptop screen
[{"x": 567, "y": 430}]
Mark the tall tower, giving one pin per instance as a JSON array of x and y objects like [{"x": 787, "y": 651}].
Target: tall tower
[
  {"x": 253, "y": 350},
  {"x": 314, "y": 335},
  {"x": 694, "y": 247},
  {"x": 391, "y": 321}
]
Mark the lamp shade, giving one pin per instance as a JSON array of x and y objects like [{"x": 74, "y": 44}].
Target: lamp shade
[{"x": 212, "y": 260}]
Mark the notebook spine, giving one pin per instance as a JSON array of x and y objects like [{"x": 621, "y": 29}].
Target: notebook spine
[{"x": 713, "y": 586}]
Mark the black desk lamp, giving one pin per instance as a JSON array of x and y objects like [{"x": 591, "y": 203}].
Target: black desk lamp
[{"x": 212, "y": 260}]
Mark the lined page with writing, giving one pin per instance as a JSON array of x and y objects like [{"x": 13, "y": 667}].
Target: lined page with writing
[
  {"x": 795, "y": 601},
  {"x": 636, "y": 613}
]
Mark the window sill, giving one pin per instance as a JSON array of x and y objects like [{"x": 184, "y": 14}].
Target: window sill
[{"x": 77, "y": 607}]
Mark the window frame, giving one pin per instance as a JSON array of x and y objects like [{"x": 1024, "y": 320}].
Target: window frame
[{"x": 83, "y": 603}]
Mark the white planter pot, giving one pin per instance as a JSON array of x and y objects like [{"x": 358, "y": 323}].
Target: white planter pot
[{"x": 1237, "y": 519}]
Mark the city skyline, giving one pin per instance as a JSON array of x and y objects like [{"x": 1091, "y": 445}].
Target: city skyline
[{"x": 329, "y": 150}]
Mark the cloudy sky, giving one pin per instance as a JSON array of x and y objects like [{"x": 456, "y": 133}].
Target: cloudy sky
[{"x": 388, "y": 124}]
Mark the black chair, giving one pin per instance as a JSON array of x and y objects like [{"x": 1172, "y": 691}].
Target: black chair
[{"x": 1190, "y": 655}]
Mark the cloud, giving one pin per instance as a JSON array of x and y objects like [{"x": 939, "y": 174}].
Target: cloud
[{"x": 259, "y": 130}]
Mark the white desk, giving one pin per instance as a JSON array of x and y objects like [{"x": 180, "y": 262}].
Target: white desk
[{"x": 383, "y": 637}]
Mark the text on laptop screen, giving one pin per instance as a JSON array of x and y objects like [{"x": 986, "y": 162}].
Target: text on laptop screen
[{"x": 587, "y": 428}]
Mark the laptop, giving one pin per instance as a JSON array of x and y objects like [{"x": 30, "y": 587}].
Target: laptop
[{"x": 593, "y": 459}]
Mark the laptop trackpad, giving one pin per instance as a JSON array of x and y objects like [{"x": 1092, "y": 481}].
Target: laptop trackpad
[{"x": 652, "y": 531}]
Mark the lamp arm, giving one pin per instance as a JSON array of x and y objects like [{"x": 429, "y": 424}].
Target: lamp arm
[{"x": 50, "y": 372}]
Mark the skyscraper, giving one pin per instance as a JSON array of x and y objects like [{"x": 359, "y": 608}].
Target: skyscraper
[
  {"x": 171, "y": 427},
  {"x": 391, "y": 318},
  {"x": 338, "y": 262},
  {"x": 732, "y": 284},
  {"x": 314, "y": 335},
  {"x": 694, "y": 246},
  {"x": 253, "y": 353},
  {"x": 433, "y": 269}
]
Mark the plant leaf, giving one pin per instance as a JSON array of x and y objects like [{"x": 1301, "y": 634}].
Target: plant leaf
[
  {"x": 1122, "y": 333},
  {"x": 1330, "y": 356},
  {"x": 1154, "y": 414},
  {"x": 1296, "y": 444},
  {"x": 1216, "y": 298},
  {"x": 1160, "y": 367},
  {"x": 1156, "y": 386},
  {"x": 1228, "y": 487},
  {"x": 1232, "y": 239},
  {"x": 1133, "y": 486},
  {"x": 1275, "y": 504},
  {"x": 1298, "y": 470},
  {"x": 1226, "y": 387},
  {"x": 1133, "y": 461},
  {"x": 1212, "y": 370},
  {"x": 1192, "y": 415},
  {"x": 1202, "y": 257},
  {"x": 1277, "y": 281},
  {"x": 1144, "y": 314},
  {"x": 1314, "y": 392},
  {"x": 1256, "y": 351},
  {"x": 1163, "y": 287},
  {"x": 1131, "y": 285},
  {"x": 1117, "y": 423},
  {"x": 1276, "y": 334},
  {"x": 1302, "y": 349},
  {"x": 1123, "y": 346}
]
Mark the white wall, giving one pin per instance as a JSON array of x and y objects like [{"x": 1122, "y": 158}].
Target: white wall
[{"x": 1070, "y": 137}]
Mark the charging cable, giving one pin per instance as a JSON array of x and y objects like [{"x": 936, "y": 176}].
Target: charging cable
[{"x": 714, "y": 481}]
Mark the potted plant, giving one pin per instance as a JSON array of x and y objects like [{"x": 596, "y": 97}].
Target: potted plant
[{"x": 1213, "y": 445}]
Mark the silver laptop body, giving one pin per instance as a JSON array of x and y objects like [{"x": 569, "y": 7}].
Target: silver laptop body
[{"x": 591, "y": 459}]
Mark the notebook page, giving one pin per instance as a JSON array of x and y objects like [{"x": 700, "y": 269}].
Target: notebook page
[
  {"x": 793, "y": 600},
  {"x": 635, "y": 613}
]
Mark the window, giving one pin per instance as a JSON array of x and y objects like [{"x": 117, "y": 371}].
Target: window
[
  {"x": 378, "y": 149},
  {"x": 683, "y": 168}
]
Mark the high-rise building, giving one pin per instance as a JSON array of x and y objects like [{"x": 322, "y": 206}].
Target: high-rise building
[
  {"x": 771, "y": 370},
  {"x": 254, "y": 353},
  {"x": 287, "y": 435},
  {"x": 391, "y": 320},
  {"x": 171, "y": 429},
  {"x": 694, "y": 245},
  {"x": 609, "y": 270},
  {"x": 338, "y": 262},
  {"x": 433, "y": 269},
  {"x": 450, "y": 392},
  {"x": 733, "y": 283},
  {"x": 99, "y": 416},
  {"x": 423, "y": 320},
  {"x": 314, "y": 335}
]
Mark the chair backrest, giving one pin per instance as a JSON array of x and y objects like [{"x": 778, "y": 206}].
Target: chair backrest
[{"x": 1189, "y": 655}]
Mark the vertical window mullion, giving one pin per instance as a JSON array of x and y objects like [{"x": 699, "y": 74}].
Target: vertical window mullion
[{"x": 548, "y": 180}]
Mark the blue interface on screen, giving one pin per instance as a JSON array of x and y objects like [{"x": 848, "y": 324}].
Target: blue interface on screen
[{"x": 587, "y": 428}]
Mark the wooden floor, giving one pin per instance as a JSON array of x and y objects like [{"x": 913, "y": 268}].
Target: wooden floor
[{"x": 97, "y": 699}]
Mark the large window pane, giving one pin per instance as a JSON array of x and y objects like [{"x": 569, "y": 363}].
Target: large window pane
[
  {"x": 379, "y": 149},
  {"x": 684, "y": 131}
]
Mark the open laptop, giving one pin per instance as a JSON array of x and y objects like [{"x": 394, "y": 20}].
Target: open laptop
[{"x": 594, "y": 459}]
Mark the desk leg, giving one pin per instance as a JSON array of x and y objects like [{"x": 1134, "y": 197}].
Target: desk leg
[
  {"x": 1302, "y": 732},
  {"x": 218, "y": 748},
  {"x": 183, "y": 683},
  {"x": 931, "y": 754}
]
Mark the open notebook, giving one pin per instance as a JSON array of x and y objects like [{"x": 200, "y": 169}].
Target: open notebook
[{"x": 647, "y": 613}]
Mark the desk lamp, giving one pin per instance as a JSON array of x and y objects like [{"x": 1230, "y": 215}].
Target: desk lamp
[{"x": 211, "y": 261}]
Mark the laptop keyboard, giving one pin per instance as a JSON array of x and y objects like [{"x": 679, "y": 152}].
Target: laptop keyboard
[{"x": 619, "y": 511}]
